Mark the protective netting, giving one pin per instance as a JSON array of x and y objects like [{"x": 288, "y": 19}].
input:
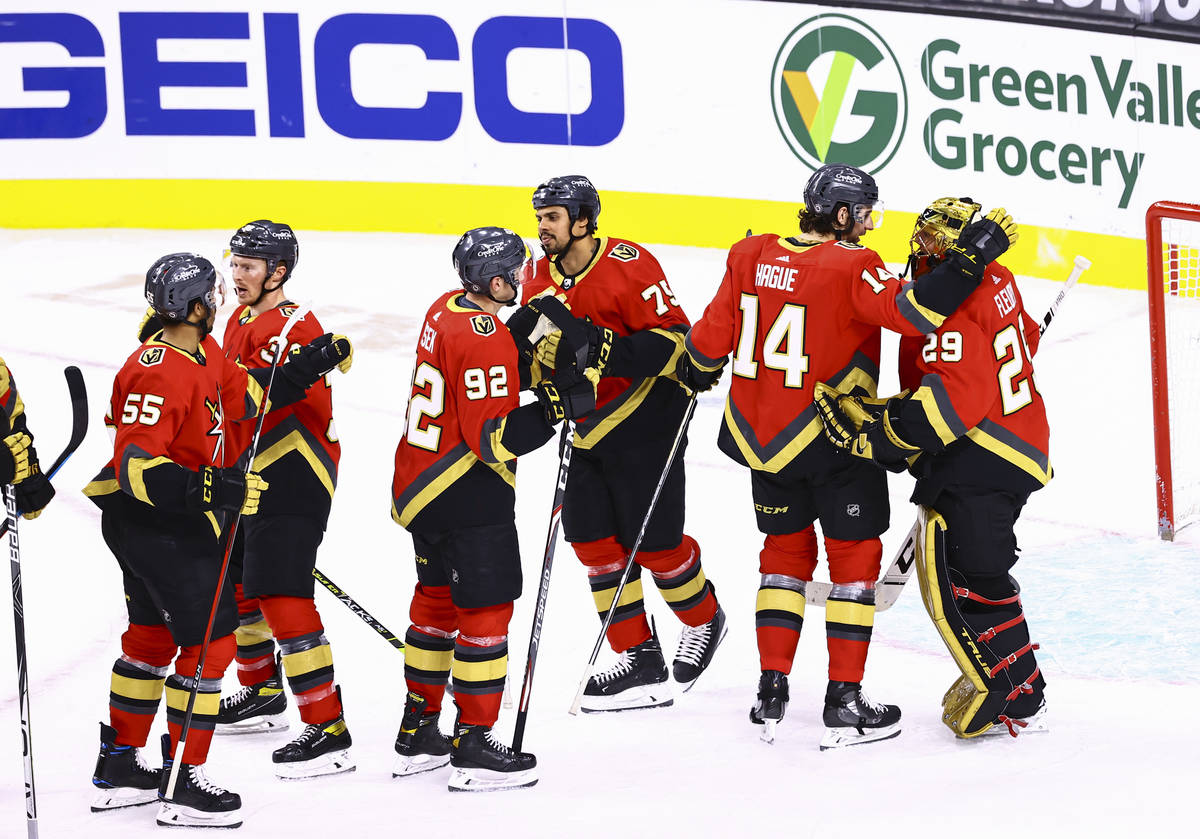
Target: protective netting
[{"x": 1181, "y": 298}]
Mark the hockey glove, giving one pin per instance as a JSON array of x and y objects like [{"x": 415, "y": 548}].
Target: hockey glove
[
  {"x": 14, "y": 458},
  {"x": 579, "y": 343},
  {"x": 695, "y": 378},
  {"x": 569, "y": 395},
  {"x": 983, "y": 242},
  {"x": 307, "y": 364},
  {"x": 229, "y": 489},
  {"x": 861, "y": 427},
  {"x": 35, "y": 492},
  {"x": 149, "y": 326}
]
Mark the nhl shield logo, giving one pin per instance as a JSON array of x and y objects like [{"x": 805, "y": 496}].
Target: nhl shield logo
[
  {"x": 483, "y": 325},
  {"x": 151, "y": 357}
]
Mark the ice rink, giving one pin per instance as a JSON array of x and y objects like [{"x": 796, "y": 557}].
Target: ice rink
[{"x": 1113, "y": 607}]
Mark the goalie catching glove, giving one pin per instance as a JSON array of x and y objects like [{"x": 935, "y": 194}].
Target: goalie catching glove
[
  {"x": 228, "y": 489},
  {"x": 862, "y": 427},
  {"x": 307, "y": 364},
  {"x": 983, "y": 242}
]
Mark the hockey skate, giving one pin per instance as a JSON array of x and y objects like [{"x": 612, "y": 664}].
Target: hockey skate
[
  {"x": 696, "y": 647},
  {"x": 122, "y": 778},
  {"x": 772, "y": 703},
  {"x": 484, "y": 764},
  {"x": 321, "y": 749},
  {"x": 851, "y": 718},
  {"x": 637, "y": 680},
  {"x": 420, "y": 746},
  {"x": 254, "y": 709},
  {"x": 197, "y": 801}
]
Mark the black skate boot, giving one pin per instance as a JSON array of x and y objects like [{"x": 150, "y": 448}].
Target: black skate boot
[
  {"x": 772, "y": 702},
  {"x": 122, "y": 778},
  {"x": 197, "y": 801},
  {"x": 637, "y": 680},
  {"x": 420, "y": 745},
  {"x": 696, "y": 647},
  {"x": 254, "y": 709},
  {"x": 851, "y": 718},
  {"x": 321, "y": 749},
  {"x": 482, "y": 763}
]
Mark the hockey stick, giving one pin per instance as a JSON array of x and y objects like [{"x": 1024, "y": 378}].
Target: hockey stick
[
  {"x": 352, "y": 604},
  {"x": 891, "y": 584},
  {"x": 79, "y": 422},
  {"x": 280, "y": 349},
  {"x": 612, "y": 608},
  {"x": 1082, "y": 263},
  {"x": 565, "y": 441}
]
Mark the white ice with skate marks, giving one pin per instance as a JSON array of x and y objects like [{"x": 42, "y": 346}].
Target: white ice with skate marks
[{"x": 1113, "y": 607}]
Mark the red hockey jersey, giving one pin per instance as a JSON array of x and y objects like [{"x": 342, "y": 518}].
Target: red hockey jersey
[
  {"x": 624, "y": 289},
  {"x": 973, "y": 380},
  {"x": 298, "y": 451},
  {"x": 168, "y": 413},
  {"x": 793, "y": 313},
  {"x": 452, "y": 468}
]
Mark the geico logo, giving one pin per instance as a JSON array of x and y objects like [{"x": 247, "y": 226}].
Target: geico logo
[{"x": 282, "y": 95}]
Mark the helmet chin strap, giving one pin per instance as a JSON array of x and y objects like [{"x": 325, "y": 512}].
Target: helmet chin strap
[
  {"x": 263, "y": 290},
  {"x": 557, "y": 261}
]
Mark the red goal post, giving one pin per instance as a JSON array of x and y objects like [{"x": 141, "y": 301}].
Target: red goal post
[{"x": 1173, "y": 283}]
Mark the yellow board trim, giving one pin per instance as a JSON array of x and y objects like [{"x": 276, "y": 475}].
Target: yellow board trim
[{"x": 704, "y": 221}]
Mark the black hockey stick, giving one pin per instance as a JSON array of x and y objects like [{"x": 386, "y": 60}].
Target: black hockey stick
[
  {"x": 280, "y": 349},
  {"x": 612, "y": 608},
  {"x": 565, "y": 442},
  {"x": 352, "y": 604},
  {"x": 79, "y": 422}
]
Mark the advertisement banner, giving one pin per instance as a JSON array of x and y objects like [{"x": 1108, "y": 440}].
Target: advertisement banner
[{"x": 697, "y": 120}]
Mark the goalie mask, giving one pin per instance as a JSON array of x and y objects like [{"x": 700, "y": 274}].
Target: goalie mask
[
  {"x": 939, "y": 226},
  {"x": 835, "y": 185},
  {"x": 487, "y": 252},
  {"x": 177, "y": 280},
  {"x": 270, "y": 240},
  {"x": 576, "y": 193}
]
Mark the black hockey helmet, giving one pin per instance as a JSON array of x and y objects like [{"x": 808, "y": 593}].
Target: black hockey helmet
[
  {"x": 177, "y": 280},
  {"x": 270, "y": 240},
  {"x": 487, "y": 252},
  {"x": 835, "y": 184},
  {"x": 575, "y": 192}
]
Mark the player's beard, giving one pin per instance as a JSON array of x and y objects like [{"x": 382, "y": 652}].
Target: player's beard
[{"x": 552, "y": 246}]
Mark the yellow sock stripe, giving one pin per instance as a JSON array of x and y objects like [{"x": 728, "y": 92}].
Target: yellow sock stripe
[
  {"x": 631, "y": 594},
  {"x": 207, "y": 704},
  {"x": 481, "y": 671},
  {"x": 428, "y": 660},
  {"x": 151, "y": 689},
  {"x": 854, "y": 614},
  {"x": 252, "y": 633},
  {"x": 780, "y": 600},
  {"x": 684, "y": 592},
  {"x": 297, "y": 664}
]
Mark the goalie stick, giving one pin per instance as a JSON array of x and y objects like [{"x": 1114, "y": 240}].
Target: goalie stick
[
  {"x": 891, "y": 584},
  {"x": 79, "y": 423}
]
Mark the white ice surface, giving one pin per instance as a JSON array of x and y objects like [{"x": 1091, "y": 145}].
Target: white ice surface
[{"x": 1113, "y": 607}]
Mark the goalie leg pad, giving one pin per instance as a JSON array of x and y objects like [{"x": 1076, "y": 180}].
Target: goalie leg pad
[{"x": 986, "y": 635}]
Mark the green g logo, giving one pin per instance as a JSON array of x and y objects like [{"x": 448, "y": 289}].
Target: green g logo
[{"x": 858, "y": 117}]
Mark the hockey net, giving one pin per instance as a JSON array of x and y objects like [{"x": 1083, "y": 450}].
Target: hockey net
[{"x": 1173, "y": 254}]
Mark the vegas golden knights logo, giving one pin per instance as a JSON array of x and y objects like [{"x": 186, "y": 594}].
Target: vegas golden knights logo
[
  {"x": 625, "y": 252},
  {"x": 152, "y": 356},
  {"x": 483, "y": 325}
]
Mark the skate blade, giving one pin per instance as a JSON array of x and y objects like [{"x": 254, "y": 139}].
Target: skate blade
[
  {"x": 838, "y": 738},
  {"x": 688, "y": 685},
  {"x": 333, "y": 763},
  {"x": 118, "y": 797},
  {"x": 485, "y": 780},
  {"x": 768, "y": 733},
  {"x": 633, "y": 699},
  {"x": 257, "y": 725},
  {"x": 405, "y": 766},
  {"x": 654, "y": 703},
  {"x": 175, "y": 815}
]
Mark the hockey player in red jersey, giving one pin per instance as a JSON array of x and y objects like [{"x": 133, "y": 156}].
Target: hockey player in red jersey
[
  {"x": 18, "y": 458},
  {"x": 166, "y": 499},
  {"x": 794, "y": 312},
  {"x": 973, "y": 426},
  {"x": 621, "y": 448},
  {"x": 275, "y": 551},
  {"x": 454, "y": 491}
]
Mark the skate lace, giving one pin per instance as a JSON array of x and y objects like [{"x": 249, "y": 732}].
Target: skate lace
[
  {"x": 496, "y": 744},
  {"x": 623, "y": 666},
  {"x": 693, "y": 643},
  {"x": 310, "y": 733},
  {"x": 140, "y": 762},
  {"x": 236, "y": 699},
  {"x": 865, "y": 703},
  {"x": 201, "y": 782}
]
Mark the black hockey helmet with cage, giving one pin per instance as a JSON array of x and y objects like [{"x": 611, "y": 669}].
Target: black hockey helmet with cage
[
  {"x": 487, "y": 252},
  {"x": 835, "y": 184},
  {"x": 177, "y": 280},
  {"x": 270, "y": 240},
  {"x": 576, "y": 193}
]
